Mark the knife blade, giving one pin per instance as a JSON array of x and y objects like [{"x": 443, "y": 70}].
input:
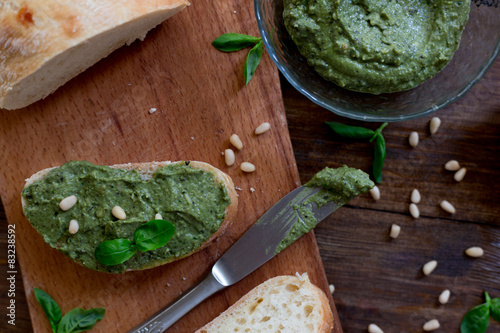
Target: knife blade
[{"x": 254, "y": 248}]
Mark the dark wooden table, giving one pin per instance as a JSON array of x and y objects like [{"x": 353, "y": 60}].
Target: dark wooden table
[{"x": 379, "y": 280}]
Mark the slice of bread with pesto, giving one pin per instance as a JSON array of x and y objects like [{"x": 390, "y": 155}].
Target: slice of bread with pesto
[
  {"x": 281, "y": 304},
  {"x": 45, "y": 43},
  {"x": 197, "y": 198}
]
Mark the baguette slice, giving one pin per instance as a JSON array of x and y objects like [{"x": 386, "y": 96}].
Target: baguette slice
[
  {"x": 282, "y": 304},
  {"x": 146, "y": 170},
  {"x": 45, "y": 43}
]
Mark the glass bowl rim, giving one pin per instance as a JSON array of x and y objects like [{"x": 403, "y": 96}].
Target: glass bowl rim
[{"x": 297, "y": 85}]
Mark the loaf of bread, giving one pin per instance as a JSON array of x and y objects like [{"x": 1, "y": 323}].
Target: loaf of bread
[
  {"x": 286, "y": 304},
  {"x": 202, "y": 203},
  {"x": 45, "y": 43}
]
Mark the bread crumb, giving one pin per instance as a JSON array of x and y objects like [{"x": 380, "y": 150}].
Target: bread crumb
[
  {"x": 238, "y": 188},
  {"x": 152, "y": 110},
  {"x": 252, "y": 189},
  {"x": 192, "y": 138},
  {"x": 234, "y": 12},
  {"x": 168, "y": 284},
  {"x": 183, "y": 278}
]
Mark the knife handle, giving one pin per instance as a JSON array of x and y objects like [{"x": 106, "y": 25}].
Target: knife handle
[{"x": 166, "y": 317}]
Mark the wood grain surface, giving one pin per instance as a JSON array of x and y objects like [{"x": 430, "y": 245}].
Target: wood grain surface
[{"x": 103, "y": 116}]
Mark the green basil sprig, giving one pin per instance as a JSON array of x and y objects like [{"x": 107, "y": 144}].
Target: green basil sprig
[
  {"x": 147, "y": 237},
  {"x": 77, "y": 320},
  {"x": 231, "y": 42},
  {"x": 355, "y": 132},
  {"x": 478, "y": 318}
]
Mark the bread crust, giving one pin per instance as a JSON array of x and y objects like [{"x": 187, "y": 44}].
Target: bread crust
[
  {"x": 146, "y": 170},
  {"x": 324, "y": 324},
  {"x": 45, "y": 43}
]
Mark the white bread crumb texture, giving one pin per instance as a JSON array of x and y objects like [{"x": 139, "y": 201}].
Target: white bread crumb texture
[{"x": 282, "y": 304}]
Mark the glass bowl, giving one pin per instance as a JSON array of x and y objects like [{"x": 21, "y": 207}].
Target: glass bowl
[{"x": 478, "y": 50}]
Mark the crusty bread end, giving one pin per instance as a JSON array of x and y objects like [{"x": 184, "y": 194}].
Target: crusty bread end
[
  {"x": 45, "y": 43},
  {"x": 146, "y": 170},
  {"x": 282, "y": 304}
]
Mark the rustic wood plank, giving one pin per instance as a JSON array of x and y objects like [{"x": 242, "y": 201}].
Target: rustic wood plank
[
  {"x": 378, "y": 279},
  {"x": 102, "y": 116}
]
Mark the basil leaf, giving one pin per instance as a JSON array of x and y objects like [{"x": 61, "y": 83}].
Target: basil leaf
[
  {"x": 351, "y": 132},
  {"x": 378, "y": 158},
  {"x": 495, "y": 309},
  {"x": 476, "y": 320},
  {"x": 378, "y": 131},
  {"x": 234, "y": 42},
  {"x": 253, "y": 60},
  {"x": 114, "y": 252},
  {"x": 153, "y": 234},
  {"x": 79, "y": 320},
  {"x": 49, "y": 306}
]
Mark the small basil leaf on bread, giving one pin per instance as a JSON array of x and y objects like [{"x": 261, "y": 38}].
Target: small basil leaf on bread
[{"x": 152, "y": 235}]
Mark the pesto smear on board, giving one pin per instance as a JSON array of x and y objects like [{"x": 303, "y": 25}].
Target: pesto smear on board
[
  {"x": 338, "y": 185},
  {"x": 190, "y": 198},
  {"x": 376, "y": 46}
]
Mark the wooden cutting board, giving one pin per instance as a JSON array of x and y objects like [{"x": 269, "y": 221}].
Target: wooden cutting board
[{"x": 102, "y": 116}]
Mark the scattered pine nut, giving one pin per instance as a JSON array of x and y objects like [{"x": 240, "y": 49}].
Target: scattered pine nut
[
  {"x": 247, "y": 167},
  {"x": 372, "y": 328},
  {"x": 119, "y": 213},
  {"x": 375, "y": 192},
  {"x": 431, "y": 325},
  {"x": 444, "y": 297},
  {"x": 158, "y": 216},
  {"x": 68, "y": 202},
  {"x": 415, "y": 196},
  {"x": 474, "y": 252},
  {"x": 73, "y": 227},
  {"x": 229, "y": 157},
  {"x": 413, "y": 139},
  {"x": 395, "y": 230},
  {"x": 236, "y": 142},
  {"x": 447, "y": 207},
  {"x": 460, "y": 174},
  {"x": 429, "y": 267},
  {"x": 452, "y": 165},
  {"x": 434, "y": 125},
  {"x": 262, "y": 128},
  {"x": 332, "y": 288},
  {"x": 414, "y": 211}
]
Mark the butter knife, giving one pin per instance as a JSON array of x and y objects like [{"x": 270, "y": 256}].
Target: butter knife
[{"x": 260, "y": 243}]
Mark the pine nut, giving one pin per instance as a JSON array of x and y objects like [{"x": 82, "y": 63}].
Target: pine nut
[
  {"x": 395, "y": 230},
  {"x": 413, "y": 139},
  {"x": 73, "y": 227},
  {"x": 372, "y": 328},
  {"x": 236, "y": 142},
  {"x": 415, "y": 196},
  {"x": 247, "y": 167},
  {"x": 158, "y": 216},
  {"x": 332, "y": 288},
  {"x": 68, "y": 202},
  {"x": 262, "y": 128},
  {"x": 414, "y": 211},
  {"x": 431, "y": 325},
  {"x": 429, "y": 267},
  {"x": 447, "y": 207},
  {"x": 452, "y": 165},
  {"x": 229, "y": 157},
  {"x": 474, "y": 252},
  {"x": 434, "y": 125},
  {"x": 460, "y": 174},
  {"x": 375, "y": 192},
  {"x": 444, "y": 297},
  {"x": 119, "y": 213}
]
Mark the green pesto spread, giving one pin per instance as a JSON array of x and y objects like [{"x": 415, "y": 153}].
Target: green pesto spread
[
  {"x": 338, "y": 185},
  {"x": 376, "y": 46},
  {"x": 190, "y": 198}
]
